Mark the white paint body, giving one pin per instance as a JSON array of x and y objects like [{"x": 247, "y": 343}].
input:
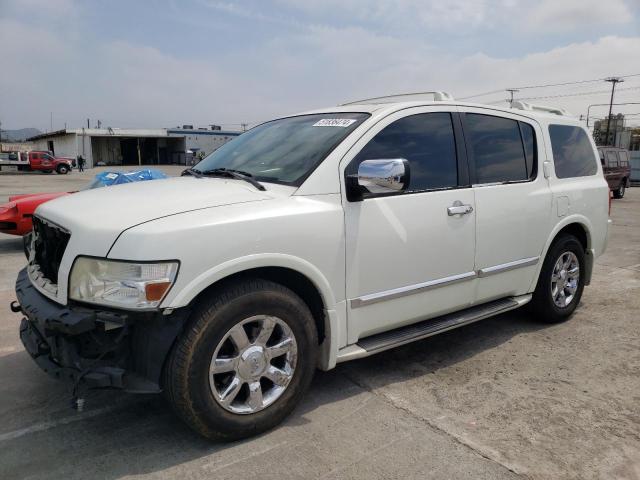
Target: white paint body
[{"x": 349, "y": 250}]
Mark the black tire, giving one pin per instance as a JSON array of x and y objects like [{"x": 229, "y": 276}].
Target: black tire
[
  {"x": 542, "y": 305},
  {"x": 619, "y": 193},
  {"x": 186, "y": 374},
  {"x": 62, "y": 169}
]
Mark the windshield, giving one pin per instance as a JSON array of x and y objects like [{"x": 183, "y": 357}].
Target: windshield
[{"x": 286, "y": 150}]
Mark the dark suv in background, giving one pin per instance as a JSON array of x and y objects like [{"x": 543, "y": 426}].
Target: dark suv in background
[{"x": 616, "y": 168}]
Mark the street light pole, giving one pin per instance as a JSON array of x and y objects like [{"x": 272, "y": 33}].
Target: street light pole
[
  {"x": 512, "y": 91},
  {"x": 614, "y": 81}
]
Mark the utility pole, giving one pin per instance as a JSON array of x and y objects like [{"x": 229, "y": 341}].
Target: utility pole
[
  {"x": 244, "y": 126},
  {"x": 512, "y": 91},
  {"x": 613, "y": 81},
  {"x": 51, "y": 121},
  {"x": 88, "y": 123}
]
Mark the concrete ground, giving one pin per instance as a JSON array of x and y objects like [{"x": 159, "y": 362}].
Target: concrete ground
[{"x": 503, "y": 398}]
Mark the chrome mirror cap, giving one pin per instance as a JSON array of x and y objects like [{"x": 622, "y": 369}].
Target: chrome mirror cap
[{"x": 384, "y": 175}]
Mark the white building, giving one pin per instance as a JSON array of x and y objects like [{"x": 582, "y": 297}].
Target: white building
[{"x": 133, "y": 146}]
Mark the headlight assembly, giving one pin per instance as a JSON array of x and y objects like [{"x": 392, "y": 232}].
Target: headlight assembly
[{"x": 121, "y": 284}]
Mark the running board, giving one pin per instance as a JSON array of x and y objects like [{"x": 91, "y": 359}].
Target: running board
[{"x": 417, "y": 331}]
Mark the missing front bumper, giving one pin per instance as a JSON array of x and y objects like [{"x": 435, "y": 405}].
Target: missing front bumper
[{"x": 96, "y": 348}]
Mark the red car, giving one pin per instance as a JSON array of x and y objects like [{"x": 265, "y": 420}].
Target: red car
[{"x": 15, "y": 216}]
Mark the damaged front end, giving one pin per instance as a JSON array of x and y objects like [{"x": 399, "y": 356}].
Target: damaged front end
[{"x": 96, "y": 348}]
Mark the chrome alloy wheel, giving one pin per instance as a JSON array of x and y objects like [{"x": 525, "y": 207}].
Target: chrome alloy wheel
[
  {"x": 253, "y": 364},
  {"x": 565, "y": 279}
]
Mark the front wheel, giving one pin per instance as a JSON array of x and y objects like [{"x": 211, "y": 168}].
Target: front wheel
[
  {"x": 561, "y": 281},
  {"x": 62, "y": 169},
  {"x": 243, "y": 363}
]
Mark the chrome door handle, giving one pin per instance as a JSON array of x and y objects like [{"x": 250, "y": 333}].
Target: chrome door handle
[{"x": 458, "y": 208}]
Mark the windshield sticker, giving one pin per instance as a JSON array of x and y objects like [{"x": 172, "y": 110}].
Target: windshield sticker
[{"x": 334, "y": 122}]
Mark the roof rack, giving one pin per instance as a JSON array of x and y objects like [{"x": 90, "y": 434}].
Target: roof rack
[
  {"x": 438, "y": 96},
  {"x": 538, "y": 108}
]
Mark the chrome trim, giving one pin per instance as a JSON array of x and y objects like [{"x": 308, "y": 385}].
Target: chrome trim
[
  {"x": 505, "y": 267},
  {"x": 409, "y": 290},
  {"x": 387, "y": 175}
]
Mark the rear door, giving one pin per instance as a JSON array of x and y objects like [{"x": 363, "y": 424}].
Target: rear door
[
  {"x": 513, "y": 200},
  {"x": 35, "y": 160}
]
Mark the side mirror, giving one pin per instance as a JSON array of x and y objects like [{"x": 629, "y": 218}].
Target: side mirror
[{"x": 379, "y": 176}]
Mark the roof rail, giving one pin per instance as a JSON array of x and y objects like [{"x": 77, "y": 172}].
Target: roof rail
[
  {"x": 539, "y": 108},
  {"x": 438, "y": 96}
]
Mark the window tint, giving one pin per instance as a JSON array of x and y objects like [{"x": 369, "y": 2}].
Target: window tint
[
  {"x": 612, "y": 159},
  {"x": 426, "y": 141},
  {"x": 497, "y": 148},
  {"x": 573, "y": 155}
]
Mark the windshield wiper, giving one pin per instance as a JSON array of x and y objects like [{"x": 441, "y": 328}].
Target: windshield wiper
[
  {"x": 191, "y": 171},
  {"x": 237, "y": 174}
]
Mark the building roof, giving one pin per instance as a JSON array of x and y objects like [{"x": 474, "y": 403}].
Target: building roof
[{"x": 130, "y": 132}]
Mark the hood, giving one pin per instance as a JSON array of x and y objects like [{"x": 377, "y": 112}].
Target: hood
[
  {"x": 35, "y": 197},
  {"x": 119, "y": 207}
]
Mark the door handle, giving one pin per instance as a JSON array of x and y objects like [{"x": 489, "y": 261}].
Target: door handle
[{"x": 459, "y": 208}]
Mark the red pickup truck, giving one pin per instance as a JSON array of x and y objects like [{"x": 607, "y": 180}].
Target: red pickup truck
[{"x": 35, "y": 161}]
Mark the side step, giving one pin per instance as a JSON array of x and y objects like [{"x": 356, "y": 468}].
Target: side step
[{"x": 417, "y": 331}]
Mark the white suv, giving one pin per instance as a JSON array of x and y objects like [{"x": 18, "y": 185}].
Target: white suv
[{"x": 308, "y": 241}]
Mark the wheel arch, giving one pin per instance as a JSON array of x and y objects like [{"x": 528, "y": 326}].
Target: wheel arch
[
  {"x": 580, "y": 227},
  {"x": 298, "y": 275}
]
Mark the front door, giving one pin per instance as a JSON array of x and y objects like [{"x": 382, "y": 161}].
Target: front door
[{"x": 407, "y": 257}]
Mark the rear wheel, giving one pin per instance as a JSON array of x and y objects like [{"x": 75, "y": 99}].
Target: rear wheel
[
  {"x": 619, "y": 193},
  {"x": 561, "y": 281},
  {"x": 62, "y": 169},
  {"x": 244, "y": 362}
]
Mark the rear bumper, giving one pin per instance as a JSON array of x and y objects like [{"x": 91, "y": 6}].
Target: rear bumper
[{"x": 97, "y": 348}]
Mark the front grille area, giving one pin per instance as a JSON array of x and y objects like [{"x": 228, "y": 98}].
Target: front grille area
[{"x": 49, "y": 244}]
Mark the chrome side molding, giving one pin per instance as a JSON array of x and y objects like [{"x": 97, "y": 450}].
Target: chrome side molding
[
  {"x": 410, "y": 289},
  {"x": 505, "y": 267},
  {"x": 440, "y": 282}
]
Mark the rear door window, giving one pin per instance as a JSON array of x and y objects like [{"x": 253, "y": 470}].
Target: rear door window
[
  {"x": 503, "y": 150},
  {"x": 573, "y": 155}
]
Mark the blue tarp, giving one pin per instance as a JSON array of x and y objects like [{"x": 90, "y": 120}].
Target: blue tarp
[{"x": 106, "y": 179}]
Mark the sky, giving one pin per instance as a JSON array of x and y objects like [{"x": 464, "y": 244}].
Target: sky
[{"x": 166, "y": 63}]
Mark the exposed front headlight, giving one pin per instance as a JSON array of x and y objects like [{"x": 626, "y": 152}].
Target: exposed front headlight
[{"x": 121, "y": 284}]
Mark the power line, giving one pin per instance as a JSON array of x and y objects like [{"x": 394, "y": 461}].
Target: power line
[
  {"x": 547, "y": 85},
  {"x": 598, "y": 92}
]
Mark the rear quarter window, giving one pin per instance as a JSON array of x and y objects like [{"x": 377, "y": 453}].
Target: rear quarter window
[{"x": 573, "y": 155}]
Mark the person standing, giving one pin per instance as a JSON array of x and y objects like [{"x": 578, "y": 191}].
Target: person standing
[{"x": 80, "y": 163}]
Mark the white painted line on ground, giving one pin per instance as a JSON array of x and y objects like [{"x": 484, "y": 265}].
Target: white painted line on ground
[
  {"x": 6, "y": 350},
  {"x": 41, "y": 427}
]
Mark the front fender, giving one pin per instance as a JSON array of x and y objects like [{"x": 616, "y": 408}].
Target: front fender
[
  {"x": 335, "y": 321},
  {"x": 238, "y": 265}
]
